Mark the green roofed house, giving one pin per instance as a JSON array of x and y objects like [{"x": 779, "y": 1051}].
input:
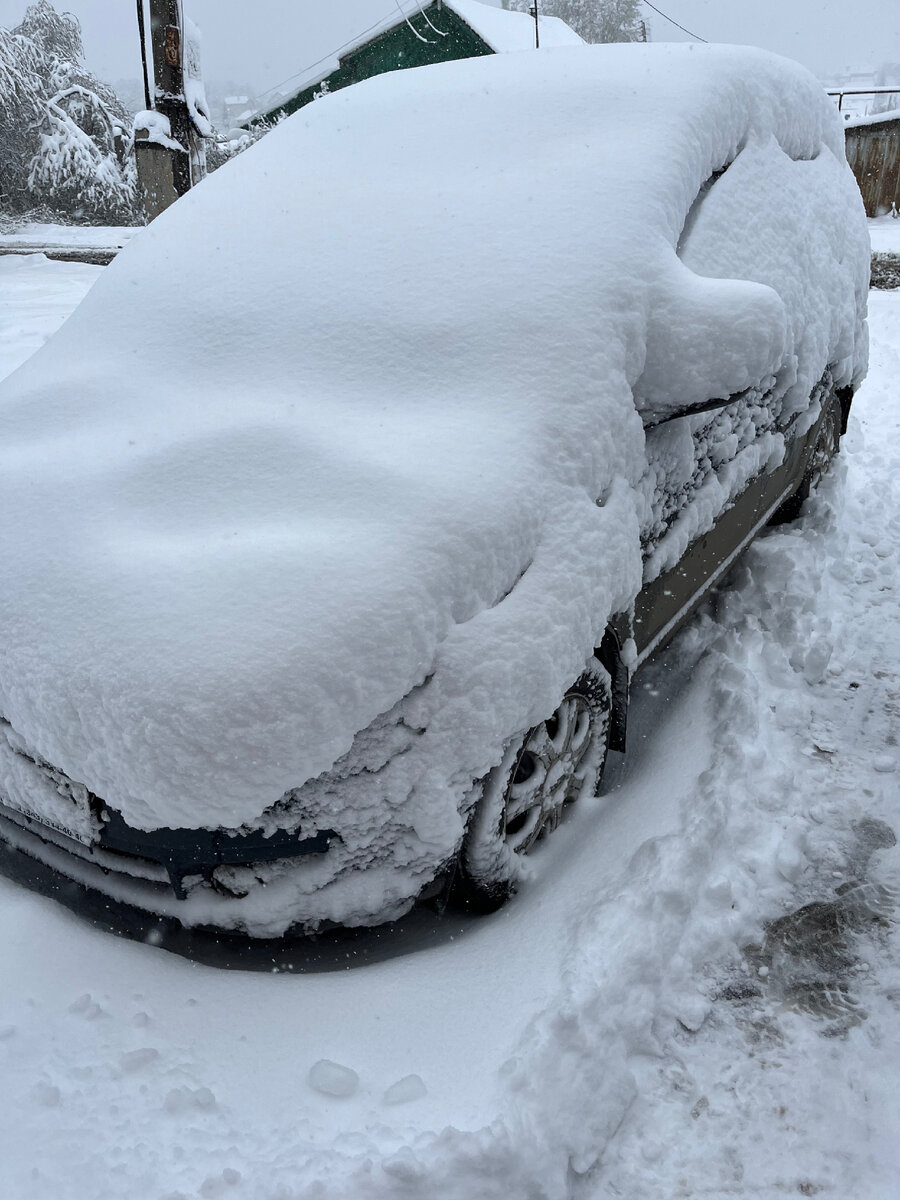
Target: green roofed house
[{"x": 416, "y": 35}]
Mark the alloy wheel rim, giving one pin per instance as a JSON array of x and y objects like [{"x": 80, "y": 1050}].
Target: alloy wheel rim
[
  {"x": 548, "y": 773},
  {"x": 826, "y": 447}
]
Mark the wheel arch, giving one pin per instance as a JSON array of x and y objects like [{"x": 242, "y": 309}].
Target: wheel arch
[
  {"x": 609, "y": 653},
  {"x": 845, "y": 397}
]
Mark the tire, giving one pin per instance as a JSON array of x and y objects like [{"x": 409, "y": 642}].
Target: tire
[
  {"x": 523, "y": 798},
  {"x": 828, "y": 444}
]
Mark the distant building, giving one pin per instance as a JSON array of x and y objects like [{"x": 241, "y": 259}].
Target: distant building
[
  {"x": 866, "y": 102},
  {"x": 236, "y": 109},
  {"x": 418, "y": 35}
]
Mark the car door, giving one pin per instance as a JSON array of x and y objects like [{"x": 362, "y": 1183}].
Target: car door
[{"x": 691, "y": 467}]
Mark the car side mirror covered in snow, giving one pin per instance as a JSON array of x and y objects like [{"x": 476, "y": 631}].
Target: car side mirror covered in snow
[{"x": 707, "y": 337}]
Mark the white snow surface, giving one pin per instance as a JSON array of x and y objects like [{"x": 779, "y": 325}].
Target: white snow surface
[
  {"x": 873, "y": 119},
  {"x": 612, "y": 1033},
  {"x": 194, "y": 88},
  {"x": 30, "y": 310},
  {"x": 394, "y": 438},
  {"x": 885, "y": 234},
  {"x": 38, "y": 235},
  {"x": 153, "y": 126}
]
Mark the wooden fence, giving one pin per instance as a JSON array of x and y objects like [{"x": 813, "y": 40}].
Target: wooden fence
[{"x": 873, "y": 151}]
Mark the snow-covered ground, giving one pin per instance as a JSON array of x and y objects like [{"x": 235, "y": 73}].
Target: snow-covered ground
[
  {"x": 35, "y": 298},
  {"x": 72, "y": 237},
  {"x": 626, "y": 1027},
  {"x": 885, "y": 234}
]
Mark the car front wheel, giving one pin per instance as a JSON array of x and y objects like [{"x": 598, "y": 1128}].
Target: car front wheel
[{"x": 523, "y": 799}]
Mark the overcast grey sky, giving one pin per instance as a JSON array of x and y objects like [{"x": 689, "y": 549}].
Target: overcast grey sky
[{"x": 266, "y": 41}]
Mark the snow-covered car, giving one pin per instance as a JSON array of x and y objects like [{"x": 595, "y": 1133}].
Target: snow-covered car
[{"x": 340, "y": 514}]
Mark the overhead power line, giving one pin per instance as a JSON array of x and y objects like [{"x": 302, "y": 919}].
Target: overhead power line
[
  {"x": 405, "y": 17},
  {"x": 354, "y": 41},
  {"x": 326, "y": 58},
  {"x": 665, "y": 16}
]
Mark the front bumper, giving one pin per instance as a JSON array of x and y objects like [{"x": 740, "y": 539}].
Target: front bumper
[
  {"x": 199, "y": 892},
  {"x": 187, "y": 854},
  {"x": 84, "y": 889},
  {"x": 44, "y": 801}
]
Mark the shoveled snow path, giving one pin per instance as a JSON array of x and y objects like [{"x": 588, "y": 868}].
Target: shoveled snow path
[
  {"x": 554, "y": 1040},
  {"x": 783, "y": 1080}
]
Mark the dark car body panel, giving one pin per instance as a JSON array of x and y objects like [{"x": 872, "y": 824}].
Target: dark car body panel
[{"x": 663, "y": 605}]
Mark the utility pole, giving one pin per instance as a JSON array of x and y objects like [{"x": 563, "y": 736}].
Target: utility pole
[
  {"x": 535, "y": 12},
  {"x": 165, "y": 141}
]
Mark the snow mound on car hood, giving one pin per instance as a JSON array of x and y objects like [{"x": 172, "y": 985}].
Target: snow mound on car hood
[{"x": 358, "y": 412}]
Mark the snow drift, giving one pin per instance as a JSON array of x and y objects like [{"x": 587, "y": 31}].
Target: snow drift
[{"x": 360, "y": 419}]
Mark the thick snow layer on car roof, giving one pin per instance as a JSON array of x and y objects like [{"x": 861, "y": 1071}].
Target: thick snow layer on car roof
[{"x": 360, "y": 413}]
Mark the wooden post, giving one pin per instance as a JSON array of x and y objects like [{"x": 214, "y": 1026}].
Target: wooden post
[
  {"x": 164, "y": 166},
  {"x": 168, "y": 79}
]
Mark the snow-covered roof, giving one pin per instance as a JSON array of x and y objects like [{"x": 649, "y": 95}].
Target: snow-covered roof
[
  {"x": 399, "y": 439},
  {"x": 503, "y": 31},
  {"x": 506, "y": 31},
  {"x": 884, "y": 118}
]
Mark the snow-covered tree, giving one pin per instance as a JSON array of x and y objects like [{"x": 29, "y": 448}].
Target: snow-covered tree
[
  {"x": 76, "y": 169},
  {"x": 64, "y": 143},
  {"x": 58, "y": 35},
  {"x": 21, "y": 104},
  {"x": 594, "y": 20}
]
